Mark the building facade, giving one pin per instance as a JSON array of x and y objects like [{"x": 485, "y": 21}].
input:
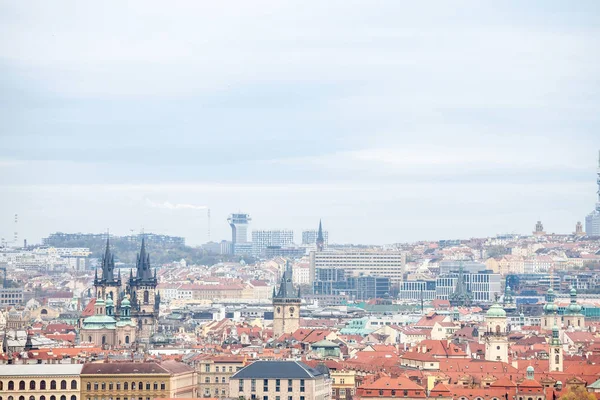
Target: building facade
[
  {"x": 280, "y": 380},
  {"x": 592, "y": 220},
  {"x": 40, "y": 381},
  {"x": 390, "y": 264},
  {"x": 265, "y": 238},
  {"x": 132, "y": 381},
  {"x": 214, "y": 373}
]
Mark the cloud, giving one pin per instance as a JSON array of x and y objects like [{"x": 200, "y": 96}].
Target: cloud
[{"x": 177, "y": 206}]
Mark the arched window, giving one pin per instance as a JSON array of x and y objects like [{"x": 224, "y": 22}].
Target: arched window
[
  {"x": 498, "y": 329},
  {"x": 21, "y": 397},
  {"x": 11, "y": 385},
  {"x": 31, "y": 385},
  {"x": 557, "y": 359},
  {"x": 89, "y": 386},
  {"x": 207, "y": 380},
  {"x": 146, "y": 297},
  {"x": 63, "y": 397},
  {"x": 216, "y": 379},
  {"x": 141, "y": 386},
  {"x": 73, "y": 397},
  {"x": 73, "y": 384},
  {"x": 53, "y": 397},
  {"x": 42, "y": 397},
  {"x": 127, "y": 339},
  {"x": 103, "y": 339},
  {"x": 42, "y": 385},
  {"x": 52, "y": 387},
  {"x": 22, "y": 385},
  {"x": 31, "y": 397},
  {"x": 132, "y": 385},
  {"x": 63, "y": 384},
  {"x": 223, "y": 380},
  {"x": 126, "y": 386}
]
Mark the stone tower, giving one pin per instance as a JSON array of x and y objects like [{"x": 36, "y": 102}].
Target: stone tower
[
  {"x": 286, "y": 305},
  {"x": 496, "y": 334},
  {"x": 145, "y": 300},
  {"x": 556, "y": 351},
  {"x": 573, "y": 316}
]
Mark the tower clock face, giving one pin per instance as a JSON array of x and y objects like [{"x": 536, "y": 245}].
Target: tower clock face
[{"x": 278, "y": 310}]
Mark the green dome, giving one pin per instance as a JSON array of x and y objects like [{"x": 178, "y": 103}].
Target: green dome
[
  {"x": 573, "y": 292},
  {"x": 125, "y": 302},
  {"x": 574, "y": 308},
  {"x": 496, "y": 311},
  {"x": 555, "y": 328},
  {"x": 100, "y": 302},
  {"x": 109, "y": 302},
  {"x": 550, "y": 308}
]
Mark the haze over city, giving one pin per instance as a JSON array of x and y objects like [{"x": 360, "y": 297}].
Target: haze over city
[{"x": 395, "y": 122}]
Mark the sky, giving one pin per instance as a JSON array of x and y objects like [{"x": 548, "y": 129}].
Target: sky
[{"x": 393, "y": 121}]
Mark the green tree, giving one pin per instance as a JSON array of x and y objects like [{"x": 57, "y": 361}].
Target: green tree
[{"x": 577, "y": 393}]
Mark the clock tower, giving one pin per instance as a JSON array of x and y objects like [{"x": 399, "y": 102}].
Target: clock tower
[
  {"x": 556, "y": 352},
  {"x": 286, "y": 305}
]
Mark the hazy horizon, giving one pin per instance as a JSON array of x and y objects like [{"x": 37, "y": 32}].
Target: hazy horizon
[{"x": 391, "y": 121}]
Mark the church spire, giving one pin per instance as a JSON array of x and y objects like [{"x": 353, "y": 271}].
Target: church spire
[{"x": 320, "y": 240}]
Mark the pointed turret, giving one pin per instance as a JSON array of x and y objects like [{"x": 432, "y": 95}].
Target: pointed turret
[
  {"x": 320, "y": 239},
  {"x": 144, "y": 273}
]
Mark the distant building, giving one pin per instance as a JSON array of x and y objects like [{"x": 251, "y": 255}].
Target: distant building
[
  {"x": 265, "y": 238},
  {"x": 390, "y": 264},
  {"x": 539, "y": 229},
  {"x": 214, "y": 373},
  {"x": 284, "y": 379},
  {"x": 481, "y": 286},
  {"x": 335, "y": 282},
  {"x": 286, "y": 305},
  {"x": 592, "y": 220},
  {"x": 239, "y": 227},
  {"x": 309, "y": 237},
  {"x": 286, "y": 252},
  {"x": 11, "y": 297}
]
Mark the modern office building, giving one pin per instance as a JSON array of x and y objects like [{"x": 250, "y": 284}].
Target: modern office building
[
  {"x": 239, "y": 228},
  {"x": 592, "y": 220},
  {"x": 468, "y": 266},
  {"x": 335, "y": 282},
  {"x": 11, "y": 296},
  {"x": 479, "y": 286},
  {"x": 265, "y": 238},
  {"x": 389, "y": 264},
  {"x": 287, "y": 252}
]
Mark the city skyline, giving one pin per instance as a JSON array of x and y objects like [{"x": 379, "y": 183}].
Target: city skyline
[{"x": 394, "y": 123}]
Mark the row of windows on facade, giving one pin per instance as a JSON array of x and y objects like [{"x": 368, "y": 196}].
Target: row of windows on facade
[
  {"x": 266, "y": 385},
  {"x": 207, "y": 392},
  {"x": 207, "y": 368},
  {"x": 12, "y": 385},
  {"x": 223, "y": 379},
  {"x": 117, "y": 386},
  {"x": 253, "y": 397},
  {"x": 116, "y": 398},
  {"x": 404, "y": 392},
  {"x": 42, "y": 397}
]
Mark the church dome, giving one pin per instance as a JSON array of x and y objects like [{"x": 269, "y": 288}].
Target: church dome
[
  {"x": 125, "y": 302},
  {"x": 100, "y": 302},
  {"x": 109, "y": 302},
  {"x": 496, "y": 311},
  {"x": 574, "y": 308},
  {"x": 550, "y": 308}
]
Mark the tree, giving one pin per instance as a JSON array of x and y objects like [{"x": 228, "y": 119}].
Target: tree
[{"x": 577, "y": 393}]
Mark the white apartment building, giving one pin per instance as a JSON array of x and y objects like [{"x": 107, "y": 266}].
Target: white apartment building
[
  {"x": 262, "y": 239},
  {"x": 301, "y": 274},
  {"x": 389, "y": 264}
]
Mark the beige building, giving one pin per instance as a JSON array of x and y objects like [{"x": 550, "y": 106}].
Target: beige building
[
  {"x": 40, "y": 381},
  {"x": 214, "y": 373},
  {"x": 343, "y": 384},
  {"x": 280, "y": 380},
  {"x": 132, "y": 381}
]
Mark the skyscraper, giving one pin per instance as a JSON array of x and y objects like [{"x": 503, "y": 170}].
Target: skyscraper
[
  {"x": 239, "y": 228},
  {"x": 263, "y": 239},
  {"x": 592, "y": 221}
]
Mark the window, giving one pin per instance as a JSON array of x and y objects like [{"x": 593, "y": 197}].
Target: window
[
  {"x": 302, "y": 385},
  {"x": 63, "y": 385},
  {"x": 253, "y": 385},
  {"x": 52, "y": 386},
  {"x": 132, "y": 385},
  {"x": 265, "y": 385},
  {"x": 223, "y": 379},
  {"x": 405, "y": 392},
  {"x": 207, "y": 380},
  {"x": 147, "y": 385},
  {"x": 63, "y": 397},
  {"x": 216, "y": 379},
  {"x": 73, "y": 397},
  {"x": 301, "y": 397},
  {"x": 393, "y": 392},
  {"x": 118, "y": 385},
  {"x": 141, "y": 386},
  {"x": 31, "y": 397},
  {"x": 230, "y": 369},
  {"x": 110, "y": 386},
  {"x": 222, "y": 392},
  {"x": 73, "y": 384},
  {"x": 126, "y": 386},
  {"x": 380, "y": 392},
  {"x": 155, "y": 386},
  {"x": 127, "y": 339},
  {"x": 103, "y": 385},
  {"x": 290, "y": 382},
  {"x": 22, "y": 385},
  {"x": 265, "y": 397},
  {"x": 162, "y": 386},
  {"x": 217, "y": 369},
  {"x": 207, "y": 368},
  {"x": 278, "y": 385},
  {"x": 42, "y": 397},
  {"x": 241, "y": 385},
  {"x": 95, "y": 385},
  {"x": 32, "y": 385},
  {"x": 11, "y": 385},
  {"x": 53, "y": 397}
]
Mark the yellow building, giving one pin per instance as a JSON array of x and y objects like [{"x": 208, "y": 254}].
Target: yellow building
[
  {"x": 214, "y": 373},
  {"x": 343, "y": 384},
  {"x": 130, "y": 381},
  {"x": 40, "y": 381}
]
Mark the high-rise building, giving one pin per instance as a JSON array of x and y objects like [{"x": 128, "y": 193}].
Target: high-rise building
[
  {"x": 592, "y": 221},
  {"x": 263, "y": 239},
  {"x": 239, "y": 227}
]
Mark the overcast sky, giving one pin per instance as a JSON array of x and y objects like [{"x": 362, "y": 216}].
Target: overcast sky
[{"x": 391, "y": 120}]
